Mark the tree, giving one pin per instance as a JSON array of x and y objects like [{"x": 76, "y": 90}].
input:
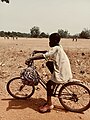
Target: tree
[
  {"x": 7, "y": 1},
  {"x": 2, "y": 33},
  {"x": 43, "y": 35},
  {"x": 85, "y": 34},
  {"x": 35, "y": 32},
  {"x": 63, "y": 33}
]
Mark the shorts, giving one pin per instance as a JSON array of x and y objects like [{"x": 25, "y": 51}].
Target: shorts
[
  {"x": 50, "y": 87},
  {"x": 50, "y": 66}
]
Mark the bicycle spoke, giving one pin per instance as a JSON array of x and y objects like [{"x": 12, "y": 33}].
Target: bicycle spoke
[
  {"x": 75, "y": 97},
  {"x": 17, "y": 89}
]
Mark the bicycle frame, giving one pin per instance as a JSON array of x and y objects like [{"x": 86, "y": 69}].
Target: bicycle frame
[
  {"x": 42, "y": 82},
  {"x": 55, "y": 92},
  {"x": 71, "y": 94}
]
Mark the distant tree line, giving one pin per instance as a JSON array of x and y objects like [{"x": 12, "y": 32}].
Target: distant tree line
[
  {"x": 85, "y": 33},
  {"x": 13, "y": 34},
  {"x": 36, "y": 33}
]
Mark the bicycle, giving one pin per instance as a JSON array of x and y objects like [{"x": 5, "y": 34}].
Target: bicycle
[{"x": 74, "y": 96}]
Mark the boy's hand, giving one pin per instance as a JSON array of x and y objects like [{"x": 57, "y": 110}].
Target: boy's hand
[
  {"x": 27, "y": 62},
  {"x": 35, "y": 51},
  {"x": 39, "y": 51}
]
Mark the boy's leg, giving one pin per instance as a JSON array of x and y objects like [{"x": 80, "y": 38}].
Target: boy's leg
[
  {"x": 50, "y": 66},
  {"x": 50, "y": 87},
  {"x": 48, "y": 106}
]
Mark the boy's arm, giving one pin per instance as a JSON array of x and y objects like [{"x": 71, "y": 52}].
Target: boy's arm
[
  {"x": 34, "y": 58},
  {"x": 37, "y": 57},
  {"x": 39, "y": 51}
]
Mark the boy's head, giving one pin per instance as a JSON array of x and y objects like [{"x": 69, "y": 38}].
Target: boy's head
[{"x": 54, "y": 39}]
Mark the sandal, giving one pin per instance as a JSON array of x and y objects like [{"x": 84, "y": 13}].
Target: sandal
[{"x": 46, "y": 108}]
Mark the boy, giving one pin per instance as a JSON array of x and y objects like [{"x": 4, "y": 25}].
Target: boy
[{"x": 59, "y": 66}]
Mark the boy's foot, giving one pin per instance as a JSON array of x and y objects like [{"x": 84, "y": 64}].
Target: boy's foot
[{"x": 46, "y": 108}]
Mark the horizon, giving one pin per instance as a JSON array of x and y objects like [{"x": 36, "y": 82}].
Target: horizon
[{"x": 49, "y": 16}]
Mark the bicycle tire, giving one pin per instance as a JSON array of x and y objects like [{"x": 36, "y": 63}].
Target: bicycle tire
[
  {"x": 67, "y": 101},
  {"x": 16, "y": 89}
]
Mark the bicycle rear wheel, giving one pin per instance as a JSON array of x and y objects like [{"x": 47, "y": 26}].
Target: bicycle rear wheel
[
  {"x": 74, "y": 97},
  {"x": 18, "y": 90}
]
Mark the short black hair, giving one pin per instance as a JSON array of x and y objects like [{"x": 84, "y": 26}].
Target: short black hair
[{"x": 55, "y": 37}]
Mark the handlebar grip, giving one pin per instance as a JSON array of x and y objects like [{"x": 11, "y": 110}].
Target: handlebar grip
[{"x": 33, "y": 53}]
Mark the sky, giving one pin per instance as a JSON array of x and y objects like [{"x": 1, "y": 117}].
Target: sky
[{"x": 48, "y": 15}]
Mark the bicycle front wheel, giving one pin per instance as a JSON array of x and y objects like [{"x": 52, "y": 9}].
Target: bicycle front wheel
[
  {"x": 74, "y": 97},
  {"x": 18, "y": 90}
]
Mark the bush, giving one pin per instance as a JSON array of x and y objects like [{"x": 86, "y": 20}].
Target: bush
[{"x": 85, "y": 34}]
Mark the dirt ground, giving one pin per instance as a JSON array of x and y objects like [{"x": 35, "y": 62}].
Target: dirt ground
[{"x": 13, "y": 54}]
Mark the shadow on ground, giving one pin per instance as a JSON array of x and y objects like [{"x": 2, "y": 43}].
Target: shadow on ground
[{"x": 32, "y": 103}]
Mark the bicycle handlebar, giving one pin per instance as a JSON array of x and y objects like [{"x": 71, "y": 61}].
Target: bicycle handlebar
[{"x": 30, "y": 62}]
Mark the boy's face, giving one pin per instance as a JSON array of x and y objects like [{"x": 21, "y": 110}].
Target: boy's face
[{"x": 52, "y": 43}]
